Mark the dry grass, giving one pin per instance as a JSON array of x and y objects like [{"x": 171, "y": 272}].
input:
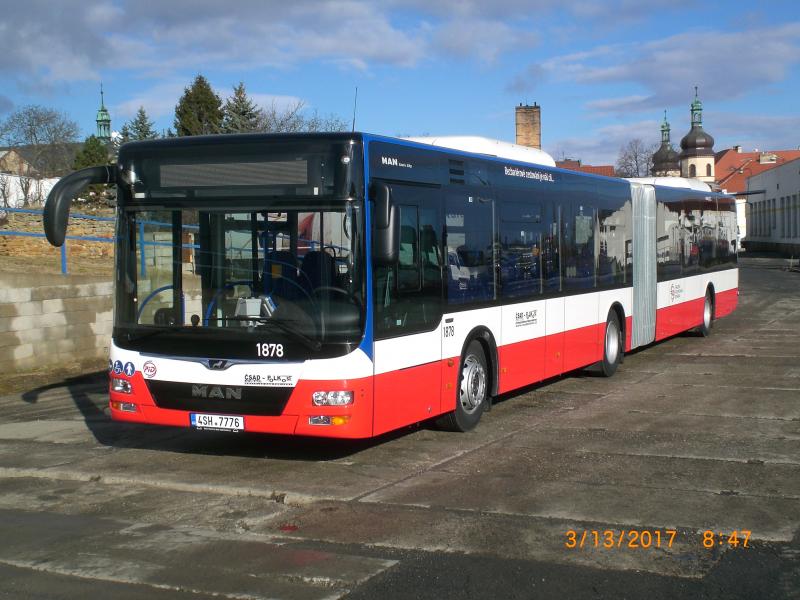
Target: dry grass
[{"x": 79, "y": 265}]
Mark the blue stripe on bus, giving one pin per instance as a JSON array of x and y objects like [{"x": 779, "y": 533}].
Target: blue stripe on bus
[{"x": 366, "y": 345}]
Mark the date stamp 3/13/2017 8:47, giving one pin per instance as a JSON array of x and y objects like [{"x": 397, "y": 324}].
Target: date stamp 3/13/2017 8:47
[{"x": 609, "y": 539}]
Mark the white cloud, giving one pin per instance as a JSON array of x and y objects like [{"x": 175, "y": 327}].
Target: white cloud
[
  {"x": 622, "y": 104},
  {"x": 158, "y": 101},
  {"x": 485, "y": 39},
  {"x": 668, "y": 68},
  {"x": 601, "y": 147},
  {"x": 765, "y": 132}
]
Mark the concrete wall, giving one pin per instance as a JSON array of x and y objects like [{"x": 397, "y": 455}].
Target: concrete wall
[{"x": 45, "y": 322}]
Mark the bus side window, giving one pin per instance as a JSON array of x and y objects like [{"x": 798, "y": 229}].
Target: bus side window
[
  {"x": 669, "y": 240},
  {"x": 408, "y": 272},
  {"x": 521, "y": 249},
  {"x": 691, "y": 247},
  {"x": 470, "y": 248},
  {"x": 578, "y": 219}
]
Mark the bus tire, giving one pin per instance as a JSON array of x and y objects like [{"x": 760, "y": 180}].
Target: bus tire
[
  {"x": 708, "y": 314},
  {"x": 613, "y": 345},
  {"x": 472, "y": 394}
]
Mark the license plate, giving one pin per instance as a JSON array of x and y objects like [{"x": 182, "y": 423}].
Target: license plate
[{"x": 218, "y": 422}]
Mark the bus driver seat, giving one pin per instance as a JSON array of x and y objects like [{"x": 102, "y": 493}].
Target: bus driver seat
[{"x": 318, "y": 270}]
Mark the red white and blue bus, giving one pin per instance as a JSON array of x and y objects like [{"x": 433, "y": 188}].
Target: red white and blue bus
[{"x": 346, "y": 285}]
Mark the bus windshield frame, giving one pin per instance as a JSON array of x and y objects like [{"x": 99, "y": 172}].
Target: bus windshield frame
[{"x": 241, "y": 251}]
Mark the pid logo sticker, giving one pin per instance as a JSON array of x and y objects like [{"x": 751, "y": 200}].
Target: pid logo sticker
[{"x": 149, "y": 369}]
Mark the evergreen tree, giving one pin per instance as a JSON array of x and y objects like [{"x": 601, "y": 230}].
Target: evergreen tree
[
  {"x": 93, "y": 153},
  {"x": 125, "y": 134},
  {"x": 199, "y": 110},
  {"x": 240, "y": 113},
  {"x": 141, "y": 127}
]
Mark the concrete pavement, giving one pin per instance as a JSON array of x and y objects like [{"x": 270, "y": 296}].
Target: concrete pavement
[{"x": 691, "y": 434}]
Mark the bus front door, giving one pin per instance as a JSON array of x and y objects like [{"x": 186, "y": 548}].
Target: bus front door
[{"x": 407, "y": 300}]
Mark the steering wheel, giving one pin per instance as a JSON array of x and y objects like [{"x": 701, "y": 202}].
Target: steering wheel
[{"x": 160, "y": 314}]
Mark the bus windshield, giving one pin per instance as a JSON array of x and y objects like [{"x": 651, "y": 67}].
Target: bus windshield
[{"x": 289, "y": 281}]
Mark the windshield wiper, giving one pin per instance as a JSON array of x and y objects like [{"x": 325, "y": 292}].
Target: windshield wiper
[
  {"x": 284, "y": 326},
  {"x": 132, "y": 337}
]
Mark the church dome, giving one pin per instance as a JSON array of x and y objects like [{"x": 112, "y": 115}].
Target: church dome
[
  {"x": 697, "y": 139},
  {"x": 697, "y": 142},
  {"x": 665, "y": 159}
]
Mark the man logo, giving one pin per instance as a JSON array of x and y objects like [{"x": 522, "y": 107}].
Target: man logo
[
  {"x": 386, "y": 160},
  {"x": 217, "y": 364},
  {"x": 216, "y": 391}
]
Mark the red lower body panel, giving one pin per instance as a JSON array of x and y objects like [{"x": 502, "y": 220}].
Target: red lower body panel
[
  {"x": 583, "y": 346},
  {"x": 678, "y": 318},
  {"x": 521, "y": 364},
  {"x": 674, "y": 319},
  {"x": 725, "y": 302},
  {"x": 407, "y": 396}
]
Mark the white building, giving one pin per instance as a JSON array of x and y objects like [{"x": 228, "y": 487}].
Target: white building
[{"x": 774, "y": 215}]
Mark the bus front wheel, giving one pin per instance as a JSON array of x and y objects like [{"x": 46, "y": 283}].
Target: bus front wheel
[
  {"x": 472, "y": 394},
  {"x": 612, "y": 345}
]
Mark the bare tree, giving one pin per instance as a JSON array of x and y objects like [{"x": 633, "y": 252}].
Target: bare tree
[
  {"x": 283, "y": 120},
  {"x": 331, "y": 122},
  {"x": 38, "y": 195},
  {"x": 292, "y": 120},
  {"x": 25, "y": 185},
  {"x": 46, "y": 136},
  {"x": 635, "y": 159},
  {"x": 5, "y": 188}
]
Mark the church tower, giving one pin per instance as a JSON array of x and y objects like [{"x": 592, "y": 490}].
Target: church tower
[
  {"x": 666, "y": 162},
  {"x": 697, "y": 147},
  {"x": 103, "y": 121}
]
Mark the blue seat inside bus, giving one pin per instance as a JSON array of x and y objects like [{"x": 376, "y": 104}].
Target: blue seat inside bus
[{"x": 282, "y": 266}]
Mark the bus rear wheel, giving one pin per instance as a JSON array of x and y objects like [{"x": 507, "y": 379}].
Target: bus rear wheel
[
  {"x": 708, "y": 315},
  {"x": 612, "y": 345},
  {"x": 472, "y": 393}
]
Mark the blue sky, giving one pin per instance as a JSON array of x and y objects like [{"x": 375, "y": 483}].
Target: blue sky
[{"x": 602, "y": 70}]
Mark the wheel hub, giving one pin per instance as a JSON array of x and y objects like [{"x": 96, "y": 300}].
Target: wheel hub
[
  {"x": 473, "y": 384},
  {"x": 612, "y": 343}
]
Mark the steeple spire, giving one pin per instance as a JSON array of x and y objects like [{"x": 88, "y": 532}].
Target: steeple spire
[
  {"x": 103, "y": 120},
  {"x": 665, "y": 129},
  {"x": 697, "y": 109}
]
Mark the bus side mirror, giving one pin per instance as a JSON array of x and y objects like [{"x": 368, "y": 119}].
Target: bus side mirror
[
  {"x": 56, "y": 209},
  {"x": 386, "y": 232}
]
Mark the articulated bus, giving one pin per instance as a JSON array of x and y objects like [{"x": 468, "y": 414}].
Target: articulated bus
[{"x": 346, "y": 285}]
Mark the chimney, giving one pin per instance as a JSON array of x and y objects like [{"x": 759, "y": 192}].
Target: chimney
[
  {"x": 738, "y": 149},
  {"x": 529, "y": 125}
]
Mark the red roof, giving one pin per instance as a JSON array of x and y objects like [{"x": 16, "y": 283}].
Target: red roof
[
  {"x": 575, "y": 165},
  {"x": 732, "y": 168}
]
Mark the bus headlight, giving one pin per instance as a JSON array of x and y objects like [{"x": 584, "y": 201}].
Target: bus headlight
[
  {"x": 121, "y": 386},
  {"x": 332, "y": 398}
]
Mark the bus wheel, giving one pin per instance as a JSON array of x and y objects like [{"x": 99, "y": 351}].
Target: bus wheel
[
  {"x": 473, "y": 391},
  {"x": 612, "y": 345},
  {"x": 708, "y": 315}
]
